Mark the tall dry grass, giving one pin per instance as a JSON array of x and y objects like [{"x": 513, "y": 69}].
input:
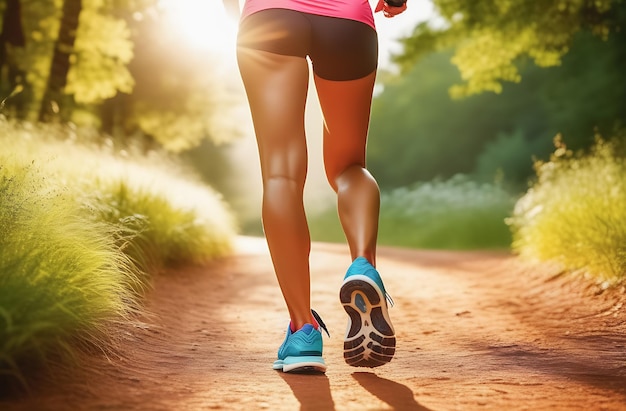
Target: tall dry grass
[{"x": 83, "y": 227}]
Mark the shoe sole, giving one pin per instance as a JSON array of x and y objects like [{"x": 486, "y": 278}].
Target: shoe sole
[
  {"x": 370, "y": 339},
  {"x": 301, "y": 364}
]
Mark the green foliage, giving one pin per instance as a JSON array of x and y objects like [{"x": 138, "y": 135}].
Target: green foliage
[
  {"x": 100, "y": 56},
  {"x": 508, "y": 156},
  {"x": 418, "y": 133},
  {"x": 187, "y": 99},
  {"x": 130, "y": 74},
  {"x": 574, "y": 213},
  {"x": 490, "y": 36},
  {"x": 102, "y": 52},
  {"x": 454, "y": 214},
  {"x": 83, "y": 229},
  {"x": 424, "y": 134}
]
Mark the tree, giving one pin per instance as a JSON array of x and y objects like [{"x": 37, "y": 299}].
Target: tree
[
  {"x": 12, "y": 32},
  {"x": 185, "y": 100},
  {"x": 11, "y": 36},
  {"x": 115, "y": 64},
  {"x": 419, "y": 133},
  {"x": 490, "y": 37},
  {"x": 60, "y": 66},
  {"x": 104, "y": 48},
  {"x": 90, "y": 65}
]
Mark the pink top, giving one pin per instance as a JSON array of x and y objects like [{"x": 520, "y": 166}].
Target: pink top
[{"x": 358, "y": 10}]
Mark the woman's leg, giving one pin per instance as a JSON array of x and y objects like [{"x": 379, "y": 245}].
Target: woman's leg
[
  {"x": 276, "y": 86},
  {"x": 346, "y": 109},
  {"x": 369, "y": 340}
]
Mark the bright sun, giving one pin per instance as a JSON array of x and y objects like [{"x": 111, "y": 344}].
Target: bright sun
[{"x": 202, "y": 23}]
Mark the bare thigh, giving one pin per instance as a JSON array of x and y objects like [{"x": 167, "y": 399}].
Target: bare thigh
[
  {"x": 276, "y": 86},
  {"x": 346, "y": 109}
]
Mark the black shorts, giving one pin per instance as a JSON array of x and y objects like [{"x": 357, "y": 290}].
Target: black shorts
[{"x": 339, "y": 49}]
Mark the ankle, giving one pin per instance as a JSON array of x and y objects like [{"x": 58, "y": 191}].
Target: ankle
[{"x": 295, "y": 325}]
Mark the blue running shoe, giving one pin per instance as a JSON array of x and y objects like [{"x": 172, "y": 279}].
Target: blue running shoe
[
  {"x": 302, "y": 350},
  {"x": 370, "y": 339}
]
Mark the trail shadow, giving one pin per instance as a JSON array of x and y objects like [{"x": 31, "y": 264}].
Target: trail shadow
[
  {"x": 398, "y": 396},
  {"x": 592, "y": 360},
  {"x": 312, "y": 390}
]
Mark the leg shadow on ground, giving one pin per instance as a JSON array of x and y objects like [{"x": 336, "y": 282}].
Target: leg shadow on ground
[
  {"x": 311, "y": 390},
  {"x": 398, "y": 396}
]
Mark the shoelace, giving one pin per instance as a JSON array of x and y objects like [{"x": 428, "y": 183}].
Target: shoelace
[
  {"x": 389, "y": 299},
  {"x": 320, "y": 322}
]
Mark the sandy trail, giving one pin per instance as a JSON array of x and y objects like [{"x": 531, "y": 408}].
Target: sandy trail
[{"x": 475, "y": 331}]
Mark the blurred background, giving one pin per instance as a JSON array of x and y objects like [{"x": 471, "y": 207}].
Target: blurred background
[{"x": 469, "y": 97}]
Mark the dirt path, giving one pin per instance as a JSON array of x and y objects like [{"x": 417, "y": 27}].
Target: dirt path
[{"x": 475, "y": 331}]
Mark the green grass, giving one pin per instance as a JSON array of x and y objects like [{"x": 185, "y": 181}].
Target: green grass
[
  {"x": 454, "y": 214},
  {"x": 575, "y": 212},
  {"x": 61, "y": 277},
  {"x": 84, "y": 227}
]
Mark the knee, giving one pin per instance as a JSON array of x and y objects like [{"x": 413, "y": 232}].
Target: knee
[
  {"x": 280, "y": 184},
  {"x": 346, "y": 176}
]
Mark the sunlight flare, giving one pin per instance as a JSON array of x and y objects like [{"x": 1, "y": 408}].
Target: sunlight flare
[{"x": 203, "y": 25}]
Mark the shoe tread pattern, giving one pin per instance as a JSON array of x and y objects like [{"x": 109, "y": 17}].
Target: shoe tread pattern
[{"x": 370, "y": 340}]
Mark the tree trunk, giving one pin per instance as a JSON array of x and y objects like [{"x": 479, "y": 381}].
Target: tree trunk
[
  {"x": 53, "y": 96},
  {"x": 12, "y": 30},
  {"x": 113, "y": 115},
  {"x": 12, "y": 35}
]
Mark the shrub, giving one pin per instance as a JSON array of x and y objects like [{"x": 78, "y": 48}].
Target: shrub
[
  {"x": 574, "y": 213},
  {"x": 508, "y": 157},
  {"x": 83, "y": 227},
  {"x": 454, "y": 214}
]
